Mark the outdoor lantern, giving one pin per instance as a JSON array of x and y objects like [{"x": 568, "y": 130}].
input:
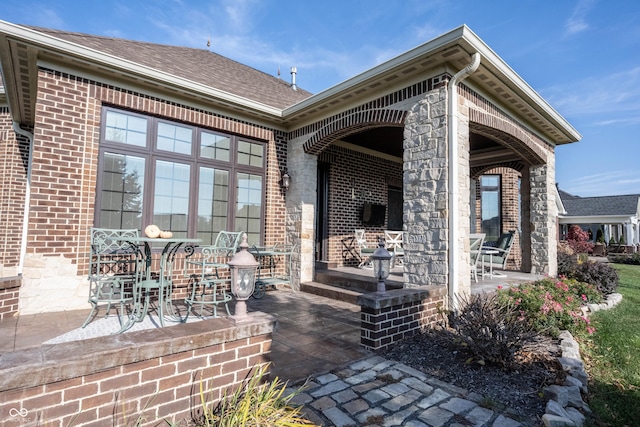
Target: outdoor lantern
[
  {"x": 286, "y": 180},
  {"x": 381, "y": 260},
  {"x": 243, "y": 268}
]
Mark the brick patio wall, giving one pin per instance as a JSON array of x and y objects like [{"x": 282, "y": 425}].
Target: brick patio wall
[
  {"x": 392, "y": 316},
  {"x": 9, "y": 295},
  {"x": 153, "y": 374}
]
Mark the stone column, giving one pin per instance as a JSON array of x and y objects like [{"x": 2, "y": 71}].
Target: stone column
[
  {"x": 525, "y": 220},
  {"x": 300, "y": 203},
  {"x": 544, "y": 213},
  {"x": 425, "y": 192}
]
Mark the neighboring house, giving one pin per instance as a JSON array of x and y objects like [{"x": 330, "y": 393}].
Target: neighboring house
[
  {"x": 105, "y": 132},
  {"x": 616, "y": 216}
]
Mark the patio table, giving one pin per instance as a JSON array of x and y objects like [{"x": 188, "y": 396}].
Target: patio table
[{"x": 146, "y": 282}]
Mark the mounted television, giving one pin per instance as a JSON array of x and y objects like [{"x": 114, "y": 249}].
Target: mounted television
[{"x": 373, "y": 214}]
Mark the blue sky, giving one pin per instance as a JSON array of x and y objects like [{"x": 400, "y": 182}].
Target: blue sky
[{"x": 582, "y": 56}]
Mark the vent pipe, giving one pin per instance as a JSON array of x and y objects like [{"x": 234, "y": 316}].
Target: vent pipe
[{"x": 294, "y": 71}]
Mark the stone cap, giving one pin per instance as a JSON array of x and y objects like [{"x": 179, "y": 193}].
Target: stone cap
[{"x": 394, "y": 297}]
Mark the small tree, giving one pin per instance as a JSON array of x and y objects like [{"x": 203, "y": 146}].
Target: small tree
[
  {"x": 578, "y": 240},
  {"x": 621, "y": 241},
  {"x": 599, "y": 236},
  {"x": 612, "y": 241}
]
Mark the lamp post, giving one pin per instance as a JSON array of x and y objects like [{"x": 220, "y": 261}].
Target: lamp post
[
  {"x": 381, "y": 260},
  {"x": 243, "y": 277}
]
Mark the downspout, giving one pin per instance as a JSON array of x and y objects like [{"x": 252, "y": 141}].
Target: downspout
[
  {"x": 454, "y": 186},
  {"x": 27, "y": 198}
]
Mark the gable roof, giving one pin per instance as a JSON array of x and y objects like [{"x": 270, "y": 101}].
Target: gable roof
[
  {"x": 198, "y": 65},
  {"x": 625, "y": 205}
]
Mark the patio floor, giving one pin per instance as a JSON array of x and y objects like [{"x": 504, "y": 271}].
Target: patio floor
[{"x": 315, "y": 334}]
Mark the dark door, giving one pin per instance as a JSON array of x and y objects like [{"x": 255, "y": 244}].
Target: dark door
[
  {"x": 322, "y": 232},
  {"x": 394, "y": 221}
]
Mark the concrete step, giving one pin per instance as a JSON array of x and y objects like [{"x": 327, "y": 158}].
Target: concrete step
[{"x": 334, "y": 292}]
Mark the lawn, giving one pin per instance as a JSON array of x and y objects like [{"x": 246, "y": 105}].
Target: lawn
[{"x": 612, "y": 355}]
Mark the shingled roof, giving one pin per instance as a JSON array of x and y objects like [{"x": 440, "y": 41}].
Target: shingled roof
[
  {"x": 198, "y": 65},
  {"x": 601, "y": 205}
]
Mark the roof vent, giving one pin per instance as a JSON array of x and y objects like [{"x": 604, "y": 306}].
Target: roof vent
[{"x": 294, "y": 71}]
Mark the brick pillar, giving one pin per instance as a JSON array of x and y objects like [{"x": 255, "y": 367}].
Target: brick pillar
[
  {"x": 301, "y": 205},
  {"x": 544, "y": 212}
]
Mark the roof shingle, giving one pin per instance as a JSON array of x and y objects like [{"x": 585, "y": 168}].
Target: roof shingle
[
  {"x": 198, "y": 65},
  {"x": 600, "y": 206}
]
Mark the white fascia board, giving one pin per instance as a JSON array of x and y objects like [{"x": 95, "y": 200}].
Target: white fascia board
[
  {"x": 596, "y": 219},
  {"x": 140, "y": 71}
]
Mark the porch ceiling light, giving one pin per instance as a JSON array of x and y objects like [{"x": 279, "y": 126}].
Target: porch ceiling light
[
  {"x": 243, "y": 268},
  {"x": 381, "y": 260}
]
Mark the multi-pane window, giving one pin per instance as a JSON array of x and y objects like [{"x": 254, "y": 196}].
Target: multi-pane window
[
  {"x": 191, "y": 181},
  {"x": 490, "y": 206}
]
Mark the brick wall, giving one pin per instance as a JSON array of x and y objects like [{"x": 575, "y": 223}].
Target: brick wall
[
  {"x": 355, "y": 177},
  {"x": 65, "y": 167},
  {"x": 392, "y": 316},
  {"x": 12, "y": 193},
  {"x": 9, "y": 295},
  {"x": 154, "y": 374},
  {"x": 510, "y": 210}
]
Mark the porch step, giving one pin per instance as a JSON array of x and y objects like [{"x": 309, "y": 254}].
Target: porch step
[
  {"x": 344, "y": 286},
  {"x": 333, "y": 292}
]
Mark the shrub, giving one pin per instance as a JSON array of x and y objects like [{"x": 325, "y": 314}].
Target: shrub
[
  {"x": 551, "y": 305},
  {"x": 600, "y": 274},
  {"x": 633, "y": 259},
  {"x": 254, "y": 404},
  {"x": 612, "y": 241},
  {"x": 622, "y": 241},
  {"x": 491, "y": 330},
  {"x": 599, "y": 236},
  {"x": 567, "y": 264},
  {"x": 578, "y": 239}
]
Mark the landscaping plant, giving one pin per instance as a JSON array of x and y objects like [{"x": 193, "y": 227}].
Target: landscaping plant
[
  {"x": 578, "y": 240},
  {"x": 552, "y": 305},
  {"x": 255, "y": 404}
]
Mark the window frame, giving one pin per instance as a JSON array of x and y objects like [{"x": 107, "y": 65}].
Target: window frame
[
  {"x": 491, "y": 188},
  {"x": 194, "y": 160}
]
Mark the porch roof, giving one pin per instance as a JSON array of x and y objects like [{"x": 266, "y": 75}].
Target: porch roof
[{"x": 209, "y": 80}]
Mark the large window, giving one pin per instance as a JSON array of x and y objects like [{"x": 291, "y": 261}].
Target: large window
[
  {"x": 490, "y": 206},
  {"x": 191, "y": 181}
]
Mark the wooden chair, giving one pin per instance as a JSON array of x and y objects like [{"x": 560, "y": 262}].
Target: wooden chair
[
  {"x": 364, "y": 249},
  {"x": 393, "y": 243},
  {"x": 475, "y": 249},
  {"x": 113, "y": 265}
]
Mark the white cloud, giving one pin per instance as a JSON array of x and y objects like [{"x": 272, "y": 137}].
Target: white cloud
[
  {"x": 577, "y": 22},
  {"x": 611, "y": 183}
]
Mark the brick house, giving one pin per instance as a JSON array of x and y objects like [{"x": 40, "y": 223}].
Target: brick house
[{"x": 105, "y": 132}]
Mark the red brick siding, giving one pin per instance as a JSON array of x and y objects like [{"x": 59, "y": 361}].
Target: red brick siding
[
  {"x": 371, "y": 178},
  {"x": 13, "y": 182},
  {"x": 151, "y": 383},
  {"x": 9, "y": 294},
  {"x": 66, "y": 158}
]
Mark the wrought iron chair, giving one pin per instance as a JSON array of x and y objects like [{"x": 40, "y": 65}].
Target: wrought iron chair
[
  {"x": 475, "y": 249},
  {"x": 211, "y": 283},
  {"x": 113, "y": 265}
]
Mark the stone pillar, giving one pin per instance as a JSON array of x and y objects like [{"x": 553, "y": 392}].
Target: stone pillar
[
  {"x": 544, "y": 212},
  {"x": 301, "y": 206},
  {"x": 525, "y": 220},
  {"x": 425, "y": 192}
]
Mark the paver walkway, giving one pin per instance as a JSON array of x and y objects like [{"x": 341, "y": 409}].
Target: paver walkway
[{"x": 379, "y": 392}]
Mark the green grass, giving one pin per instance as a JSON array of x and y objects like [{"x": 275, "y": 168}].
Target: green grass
[{"x": 612, "y": 355}]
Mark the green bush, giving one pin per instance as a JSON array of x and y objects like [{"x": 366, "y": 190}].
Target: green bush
[
  {"x": 633, "y": 259},
  {"x": 551, "y": 305}
]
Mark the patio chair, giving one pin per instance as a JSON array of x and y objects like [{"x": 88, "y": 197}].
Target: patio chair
[
  {"x": 113, "y": 265},
  {"x": 475, "y": 248},
  {"x": 393, "y": 243},
  {"x": 503, "y": 246},
  {"x": 364, "y": 249},
  {"x": 211, "y": 283}
]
